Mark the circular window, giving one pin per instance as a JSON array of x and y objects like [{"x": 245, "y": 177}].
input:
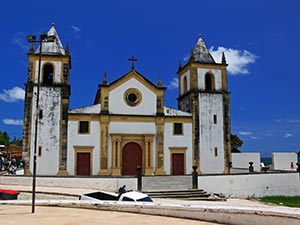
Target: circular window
[{"x": 132, "y": 97}]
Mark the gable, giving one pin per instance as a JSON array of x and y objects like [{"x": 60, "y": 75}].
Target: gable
[
  {"x": 136, "y": 75},
  {"x": 132, "y": 96}
]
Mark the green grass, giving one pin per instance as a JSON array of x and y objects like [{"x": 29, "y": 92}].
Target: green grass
[{"x": 291, "y": 201}]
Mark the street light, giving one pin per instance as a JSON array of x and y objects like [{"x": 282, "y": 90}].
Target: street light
[{"x": 32, "y": 39}]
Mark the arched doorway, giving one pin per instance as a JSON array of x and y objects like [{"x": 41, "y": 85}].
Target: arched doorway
[{"x": 131, "y": 158}]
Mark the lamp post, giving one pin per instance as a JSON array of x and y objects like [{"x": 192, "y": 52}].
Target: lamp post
[{"x": 32, "y": 39}]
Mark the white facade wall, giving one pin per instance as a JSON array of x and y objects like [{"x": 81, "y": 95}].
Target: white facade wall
[
  {"x": 217, "y": 75},
  {"x": 188, "y": 78},
  {"x": 241, "y": 160},
  {"x": 184, "y": 140},
  {"x": 132, "y": 128},
  {"x": 283, "y": 160},
  {"x": 117, "y": 104},
  {"x": 48, "y": 131},
  {"x": 76, "y": 139},
  {"x": 211, "y": 134}
]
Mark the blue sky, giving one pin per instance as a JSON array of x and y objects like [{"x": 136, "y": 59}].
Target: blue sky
[{"x": 260, "y": 39}]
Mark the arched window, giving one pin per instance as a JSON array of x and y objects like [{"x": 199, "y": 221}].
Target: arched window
[
  {"x": 209, "y": 82},
  {"x": 184, "y": 84},
  {"x": 48, "y": 74}
]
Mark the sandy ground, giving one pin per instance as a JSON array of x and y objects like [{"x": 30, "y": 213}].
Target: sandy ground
[{"x": 12, "y": 215}]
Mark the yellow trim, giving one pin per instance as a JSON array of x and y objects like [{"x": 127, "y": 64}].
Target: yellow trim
[
  {"x": 104, "y": 132},
  {"x": 179, "y": 119},
  {"x": 128, "y": 118},
  {"x": 196, "y": 65},
  {"x": 104, "y": 98},
  {"x": 193, "y": 66},
  {"x": 35, "y": 57},
  {"x": 180, "y": 150},
  {"x": 89, "y": 127},
  {"x": 160, "y": 127},
  {"x": 82, "y": 117},
  {"x": 83, "y": 149},
  {"x": 130, "y": 75},
  {"x": 224, "y": 79},
  {"x": 194, "y": 79}
]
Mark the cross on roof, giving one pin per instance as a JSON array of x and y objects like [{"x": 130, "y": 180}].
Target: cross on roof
[{"x": 132, "y": 59}]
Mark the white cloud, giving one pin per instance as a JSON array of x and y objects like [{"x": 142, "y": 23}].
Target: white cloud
[
  {"x": 245, "y": 133},
  {"x": 288, "y": 135},
  {"x": 13, "y": 122},
  {"x": 13, "y": 94},
  {"x": 254, "y": 138},
  {"x": 173, "y": 84},
  {"x": 293, "y": 120},
  {"x": 186, "y": 57},
  {"x": 237, "y": 60},
  {"x": 75, "y": 28},
  {"x": 76, "y": 31},
  {"x": 20, "y": 40}
]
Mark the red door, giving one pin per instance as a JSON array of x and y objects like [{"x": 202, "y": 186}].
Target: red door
[
  {"x": 177, "y": 164},
  {"x": 131, "y": 158},
  {"x": 83, "y": 163}
]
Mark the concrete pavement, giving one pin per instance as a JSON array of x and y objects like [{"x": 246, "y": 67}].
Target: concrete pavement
[
  {"x": 12, "y": 215},
  {"x": 233, "y": 211}
]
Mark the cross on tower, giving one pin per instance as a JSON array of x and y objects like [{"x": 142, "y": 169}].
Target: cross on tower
[{"x": 132, "y": 59}]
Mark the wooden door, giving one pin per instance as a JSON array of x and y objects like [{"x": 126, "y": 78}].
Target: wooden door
[
  {"x": 83, "y": 163},
  {"x": 177, "y": 164},
  {"x": 131, "y": 158}
]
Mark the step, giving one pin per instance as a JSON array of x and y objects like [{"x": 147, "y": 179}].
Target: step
[{"x": 188, "y": 194}]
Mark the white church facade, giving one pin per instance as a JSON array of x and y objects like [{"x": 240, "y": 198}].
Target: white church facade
[{"x": 128, "y": 126}]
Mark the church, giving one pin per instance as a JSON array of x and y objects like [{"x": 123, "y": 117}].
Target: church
[{"x": 128, "y": 126}]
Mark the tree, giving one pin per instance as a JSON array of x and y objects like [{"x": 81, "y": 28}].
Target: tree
[
  {"x": 4, "y": 138},
  {"x": 16, "y": 141},
  {"x": 236, "y": 143}
]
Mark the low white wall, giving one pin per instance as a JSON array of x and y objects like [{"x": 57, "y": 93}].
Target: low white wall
[
  {"x": 108, "y": 184},
  {"x": 283, "y": 160},
  {"x": 252, "y": 185},
  {"x": 241, "y": 186},
  {"x": 241, "y": 160}
]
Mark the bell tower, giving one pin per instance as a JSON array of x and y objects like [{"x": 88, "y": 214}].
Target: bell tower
[
  {"x": 51, "y": 115},
  {"x": 203, "y": 91}
]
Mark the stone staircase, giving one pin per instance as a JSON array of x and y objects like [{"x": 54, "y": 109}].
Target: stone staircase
[
  {"x": 176, "y": 187},
  {"x": 166, "y": 183},
  {"x": 188, "y": 194}
]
